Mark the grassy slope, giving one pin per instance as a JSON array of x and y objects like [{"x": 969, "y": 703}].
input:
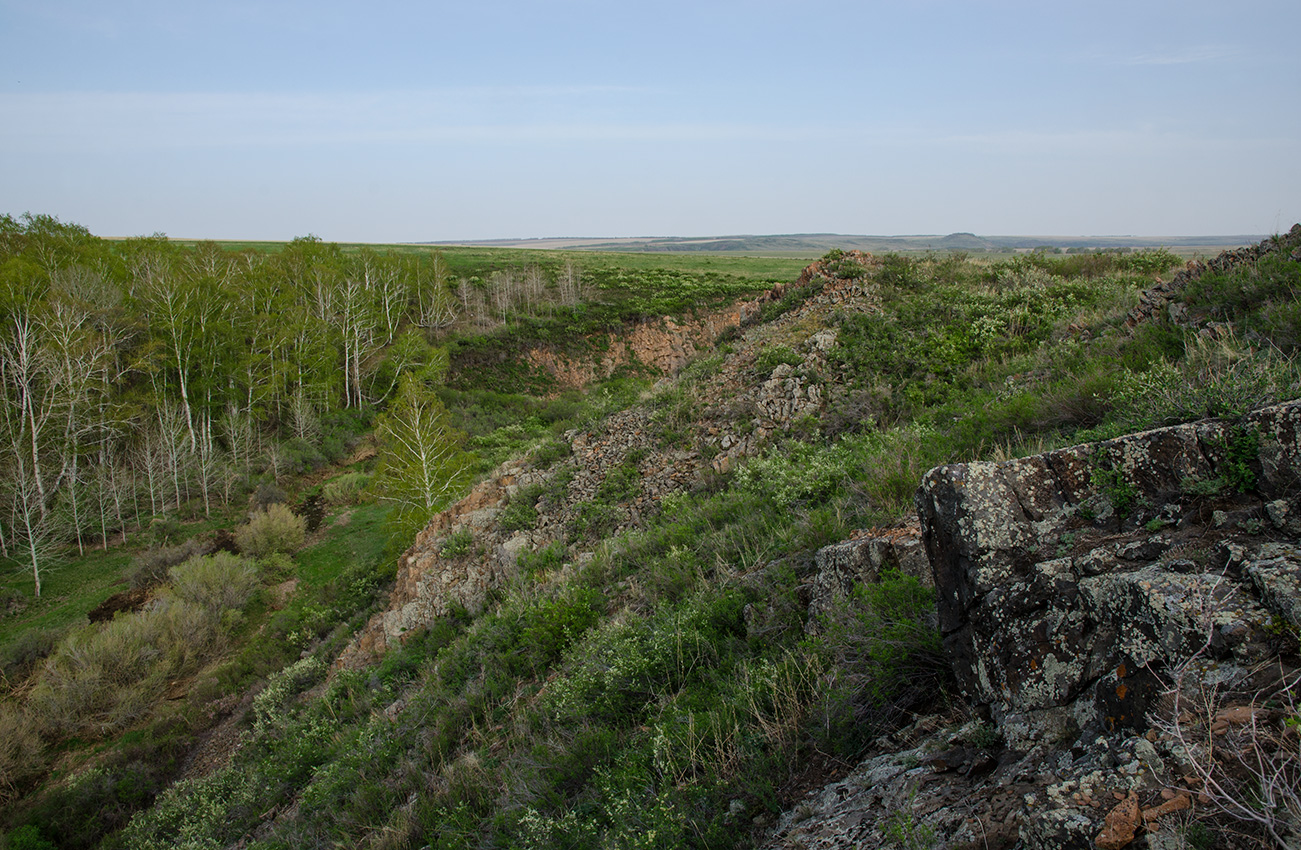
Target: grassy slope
[{"x": 665, "y": 693}]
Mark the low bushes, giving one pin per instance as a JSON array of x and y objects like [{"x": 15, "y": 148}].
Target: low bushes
[
  {"x": 275, "y": 529},
  {"x": 103, "y": 678}
]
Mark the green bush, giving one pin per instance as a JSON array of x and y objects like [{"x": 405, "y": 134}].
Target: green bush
[
  {"x": 773, "y": 356},
  {"x": 105, "y": 677},
  {"x": 28, "y": 838},
  {"x": 22, "y": 756},
  {"x": 214, "y": 583},
  {"x": 20, "y": 657},
  {"x": 270, "y": 705},
  {"x": 276, "y": 529},
  {"x": 458, "y": 544},
  {"x": 886, "y": 651},
  {"x": 548, "y": 453},
  {"x": 151, "y": 567},
  {"x": 102, "y": 679},
  {"x": 1215, "y": 378},
  {"x": 547, "y": 559},
  {"x": 164, "y": 531},
  {"x": 300, "y": 456},
  {"x": 521, "y": 513},
  {"x": 345, "y": 489}
]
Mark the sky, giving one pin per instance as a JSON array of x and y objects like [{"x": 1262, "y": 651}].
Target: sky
[{"x": 440, "y": 121}]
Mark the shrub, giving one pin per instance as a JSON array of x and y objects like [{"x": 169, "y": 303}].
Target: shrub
[
  {"x": 12, "y": 601},
  {"x": 266, "y": 495},
  {"x": 105, "y": 677},
  {"x": 21, "y": 755},
  {"x": 302, "y": 456},
  {"x": 458, "y": 544},
  {"x": 521, "y": 513},
  {"x": 546, "y": 454},
  {"x": 28, "y": 838},
  {"x": 270, "y": 703},
  {"x": 214, "y": 583},
  {"x": 1216, "y": 378},
  {"x": 1119, "y": 490},
  {"x": 21, "y": 655},
  {"x": 548, "y": 558},
  {"x": 276, "y": 529},
  {"x": 345, "y": 489},
  {"x": 887, "y": 654},
  {"x": 164, "y": 530},
  {"x": 773, "y": 356},
  {"x": 276, "y": 567},
  {"x": 150, "y": 568}
]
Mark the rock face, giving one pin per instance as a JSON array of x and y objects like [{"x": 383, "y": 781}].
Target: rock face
[
  {"x": 663, "y": 344},
  {"x": 863, "y": 558},
  {"x": 1161, "y": 296},
  {"x": 1067, "y": 581},
  {"x": 1072, "y": 588}
]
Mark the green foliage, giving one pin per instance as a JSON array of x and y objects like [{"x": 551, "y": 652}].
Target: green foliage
[
  {"x": 888, "y": 656},
  {"x": 906, "y": 833},
  {"x": 773, "y": 356},
  {"x": 458, "y": 544},
  {"x": 22, "y": 755},
  {"x": 20, "y": 657},
  {"x": 420, "y": 468},
  {"x": 28, "y": 838},
  {"x": 103, "y": 678},
  {"x": 276, "y": 529},
  {"x": 1242, "y": 450},
  {"x": 547, "y": 559},
  {"x": 1116, "y": 486},
  {"x": 270, "y": 704},
  {"x": 345, "y": 489},
  {"x": 214, "y": 583},
  {"x": 548, "y": 453},
  {"x": 594, "y": 519},
  {"x": 1216, "y": 378},
  {"x": 151, "y": 567},
  {"x": 621, "y": 667},
  {"x": 1259, "y": 300},
  {"x": 521, "y": 513}
]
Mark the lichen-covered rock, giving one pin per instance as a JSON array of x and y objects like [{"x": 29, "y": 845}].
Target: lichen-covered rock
[
  {"x": 863, "y": 558},
  {"x": 1055, "y": 593}
]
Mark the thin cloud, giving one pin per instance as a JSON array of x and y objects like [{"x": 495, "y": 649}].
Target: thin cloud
[
  {"x": 1118, "y": 142},
  {"x": 1190, "y": 55},
  {"x": 92, "y": 122}
]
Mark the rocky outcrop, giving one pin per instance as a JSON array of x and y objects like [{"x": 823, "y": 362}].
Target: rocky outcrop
[
  {"x": 1069, "y": 581},
  {"x": 1163, "y": 295},
  {"x": 664, "y": 345},
  {"x": 1075, "y": 589},
  {"x": 862, "y": 558}
]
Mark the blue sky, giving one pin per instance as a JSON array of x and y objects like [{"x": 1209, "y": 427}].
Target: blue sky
[{"x": 494, "y": 119}]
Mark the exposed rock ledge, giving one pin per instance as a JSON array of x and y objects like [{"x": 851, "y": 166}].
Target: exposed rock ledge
[{"x": 1069, "y": 596}]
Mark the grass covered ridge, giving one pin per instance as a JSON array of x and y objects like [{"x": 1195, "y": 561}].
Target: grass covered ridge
[{"x": 660, "y": 687}]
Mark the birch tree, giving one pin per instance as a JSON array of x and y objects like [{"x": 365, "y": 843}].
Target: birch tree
[{"x": 420, "y": 467}]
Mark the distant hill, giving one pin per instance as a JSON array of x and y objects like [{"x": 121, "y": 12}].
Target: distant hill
[{"x": 815, "y": 244}]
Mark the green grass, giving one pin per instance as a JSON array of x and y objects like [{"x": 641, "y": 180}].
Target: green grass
[
  {"x": 361, "y": 539},
  {"x": 69, "y": 590}
]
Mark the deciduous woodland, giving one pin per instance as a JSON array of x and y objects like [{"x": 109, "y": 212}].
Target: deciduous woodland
[{"x": 312, "y": 545}]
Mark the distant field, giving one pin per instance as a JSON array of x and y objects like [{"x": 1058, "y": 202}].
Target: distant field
[
  {"x": 786, "y": 252},
  {"x": 815, "y": 244}
]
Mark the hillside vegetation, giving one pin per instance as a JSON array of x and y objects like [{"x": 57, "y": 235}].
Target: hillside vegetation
[{"x": 610, "y": 640}]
